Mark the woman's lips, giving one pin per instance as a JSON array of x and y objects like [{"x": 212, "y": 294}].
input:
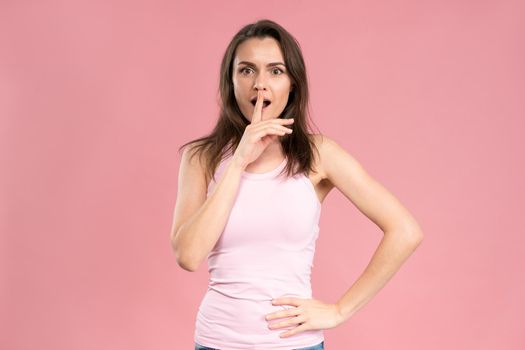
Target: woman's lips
[{"x": 266, "y": 103}]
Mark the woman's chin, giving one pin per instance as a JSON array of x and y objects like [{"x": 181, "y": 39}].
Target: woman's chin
[{"x": 265, "y": 115}]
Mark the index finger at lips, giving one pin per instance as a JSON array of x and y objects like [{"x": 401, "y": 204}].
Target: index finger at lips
[{"x": 257, "y": 112}]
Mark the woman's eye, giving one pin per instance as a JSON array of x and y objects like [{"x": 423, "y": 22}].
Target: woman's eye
[{"x": 247, "y": 70}]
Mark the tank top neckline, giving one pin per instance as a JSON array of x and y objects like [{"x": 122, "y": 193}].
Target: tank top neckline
[{"x": 266, "y": 175}]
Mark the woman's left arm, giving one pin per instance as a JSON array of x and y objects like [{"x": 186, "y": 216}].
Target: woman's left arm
[{"x": 402, "y": 235}]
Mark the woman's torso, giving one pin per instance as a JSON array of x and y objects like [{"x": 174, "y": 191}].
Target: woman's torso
[{"x": 265, "y": 251}]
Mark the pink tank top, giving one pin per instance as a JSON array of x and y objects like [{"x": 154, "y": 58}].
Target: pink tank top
[{"x": 265, "y": 252}]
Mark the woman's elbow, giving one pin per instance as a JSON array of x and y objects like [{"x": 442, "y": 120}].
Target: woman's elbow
[
  {"x": 416, "y": 236},
  {"x": 185, "y": 261},
  {"x": 188, "y": 265}
]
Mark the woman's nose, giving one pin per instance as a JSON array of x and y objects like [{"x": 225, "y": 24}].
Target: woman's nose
[{"x": 260, "y": 82}]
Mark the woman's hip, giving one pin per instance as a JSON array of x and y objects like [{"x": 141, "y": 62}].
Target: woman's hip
[{"x": 319, "y": 346}]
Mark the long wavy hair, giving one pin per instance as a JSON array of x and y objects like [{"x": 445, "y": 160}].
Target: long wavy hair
[{"x": 227, "y": 133}]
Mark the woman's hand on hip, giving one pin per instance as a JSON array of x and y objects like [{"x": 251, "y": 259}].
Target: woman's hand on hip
[{"x": 307, "y": 314}]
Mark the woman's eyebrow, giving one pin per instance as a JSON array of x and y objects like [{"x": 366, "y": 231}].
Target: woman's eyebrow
[{"x": 268, "y": 65}]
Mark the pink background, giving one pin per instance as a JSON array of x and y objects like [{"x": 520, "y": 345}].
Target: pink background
[{"x": 96, "y": 97}]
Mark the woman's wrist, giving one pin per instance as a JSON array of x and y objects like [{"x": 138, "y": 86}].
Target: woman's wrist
[{"x": 236, "y": 165}]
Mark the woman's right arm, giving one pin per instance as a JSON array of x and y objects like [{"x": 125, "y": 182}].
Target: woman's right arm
[{"x": 199, "y": 221}]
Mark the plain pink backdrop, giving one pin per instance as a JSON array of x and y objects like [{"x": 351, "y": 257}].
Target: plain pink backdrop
[{"x": 97, "y": 96}]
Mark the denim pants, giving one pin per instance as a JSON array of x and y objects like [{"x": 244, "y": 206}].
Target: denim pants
[{"x": 319, "y": 346}]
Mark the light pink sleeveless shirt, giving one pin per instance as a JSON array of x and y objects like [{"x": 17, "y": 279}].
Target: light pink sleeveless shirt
[{"x": 266, "y": 251}]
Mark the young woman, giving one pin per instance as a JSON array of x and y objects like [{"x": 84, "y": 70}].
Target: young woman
[{"x": 250, "y": 203}]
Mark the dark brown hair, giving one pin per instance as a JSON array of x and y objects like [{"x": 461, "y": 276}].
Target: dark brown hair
[{"x": 227, "y": 133}]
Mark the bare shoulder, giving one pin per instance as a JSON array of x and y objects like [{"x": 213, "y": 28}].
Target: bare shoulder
[
  {"x": 329, "y": 151},
  {"x": 343, "y": 171},
  {"x": 193, "y": 161},
  {"x": 334, "y": 163}
]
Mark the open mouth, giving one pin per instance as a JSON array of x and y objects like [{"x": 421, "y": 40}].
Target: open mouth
[{"x": 266, "y": 103}]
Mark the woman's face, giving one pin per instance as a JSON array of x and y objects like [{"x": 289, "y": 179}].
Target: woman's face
[{"x": 259, "y": 65}]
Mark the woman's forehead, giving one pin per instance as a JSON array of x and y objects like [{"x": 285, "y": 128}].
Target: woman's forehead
[{"x": 259, "y": 51}]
